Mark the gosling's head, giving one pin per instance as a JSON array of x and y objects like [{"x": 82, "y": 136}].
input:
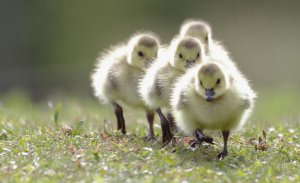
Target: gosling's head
[
  {"x": 186, "y": 52},
  {"x": 199, "y": 29},
  {"x": 142, "y": 49},
  {"x": 211, "y": 81}
]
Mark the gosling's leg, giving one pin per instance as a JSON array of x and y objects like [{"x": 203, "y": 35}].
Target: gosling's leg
[
  {"x": 119, "y": 116},
  {"x": 150, "y": 118},
  {"x": 167, "y": 135},
  {"x": 224, "y": 151},
  {"x": 200, "y": 137},
  {"x": 172, "y": 122}
]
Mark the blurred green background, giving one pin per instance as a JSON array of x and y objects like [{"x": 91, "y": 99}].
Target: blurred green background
[{"x": 51, "y": 45}]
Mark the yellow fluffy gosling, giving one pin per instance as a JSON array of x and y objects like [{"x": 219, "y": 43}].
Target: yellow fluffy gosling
[
  {"x": 157, "y": 84},
  {"x": 209, "y": 97},
  {"x": 117, "y": 74},
  {"x": 214, "y": 49}
]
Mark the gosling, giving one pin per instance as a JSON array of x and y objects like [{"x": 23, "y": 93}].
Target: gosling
[
  {"x": 156, "y": 86},
  {"x": 117, "y": 74},
  {"x": 214, "y": 49},
  {"x": 209, "y": 97}
]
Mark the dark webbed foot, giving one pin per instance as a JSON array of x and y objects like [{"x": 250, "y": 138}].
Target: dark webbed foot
[
  {"x": 195, "y": 143},
  {"x": 170, "y": 142},
  {"x": 123, "y": 130},
  {"x": 224, "y": 151},
  {"x": 222, "y": 154},
  {"x": 167, "y": 135},
  {"x": 208, "y": 140},
  {"x": 202, "y": 138},
  {"x": 150, "y": 137}
]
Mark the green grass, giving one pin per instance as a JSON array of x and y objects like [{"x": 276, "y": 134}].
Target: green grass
[{"x": 74, "y": 139}]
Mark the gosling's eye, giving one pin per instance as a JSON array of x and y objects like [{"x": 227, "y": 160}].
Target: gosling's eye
[
  {"x": 206, "y": 38},
  {"x": 180, "y": 55},
  {"x": 140, "y": 54},
  {"x": 218, "y": 81},
  {"x": 201, "y": 83},
  {"x": 198, "y": 55}
]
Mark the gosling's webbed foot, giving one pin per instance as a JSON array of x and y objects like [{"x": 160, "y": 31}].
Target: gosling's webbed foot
[
  {"x": 195, "y": 143},
  {"x": 167, "y": 135},
  {"x": 222, "y": 155},
  {"x": 123, "y": 131},
  {"x": 203, "y": 138},
  {"x": 208, "y": 140},
  {"x": 170, "y": 142},
  {"x": 224, "y": 152},
  {"x": 150, "y": 137}
]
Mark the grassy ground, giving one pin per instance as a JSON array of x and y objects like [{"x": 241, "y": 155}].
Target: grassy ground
[{"x": 74, "y": 139}]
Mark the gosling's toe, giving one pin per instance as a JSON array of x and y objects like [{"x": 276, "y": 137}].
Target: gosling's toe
[
  {"x": 150, "y": 137},
  {"x": 222, "y": 155}
]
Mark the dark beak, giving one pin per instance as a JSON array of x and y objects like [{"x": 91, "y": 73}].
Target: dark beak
[
  {"x": 189, "y": 63},
  {"x": 209, "y": 93},
  {"x": 148, "y": 62}
]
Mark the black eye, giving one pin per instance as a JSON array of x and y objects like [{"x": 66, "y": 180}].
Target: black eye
[
  {"x": 218, "y": 81},
  {"x": 180, "y": 55},
  {"x": 206, "y": 38},
  {"x": 201, "y": 83},
  {"x": 198, "y": 55},
  {"x": 140, "y": 54}
]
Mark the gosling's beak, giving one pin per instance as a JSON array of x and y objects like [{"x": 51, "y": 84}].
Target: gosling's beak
[
  {"x": 209, "y": 93},
  {"x": 189, "y": 63},
  {"x": 148, "y": 62}
]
